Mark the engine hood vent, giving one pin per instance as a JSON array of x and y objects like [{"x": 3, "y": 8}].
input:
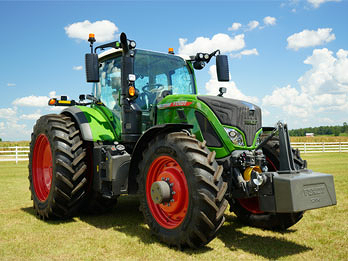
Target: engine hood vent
[{"x": 243, "y": 115}]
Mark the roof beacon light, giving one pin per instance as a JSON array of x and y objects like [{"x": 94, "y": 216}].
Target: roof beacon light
[
  {"x": 52, "y": 101},
  {"x": 91, "y": 39},
  {"x": 171, "y": 50}
]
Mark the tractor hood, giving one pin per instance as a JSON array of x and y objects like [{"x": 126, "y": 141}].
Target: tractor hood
[{"x": 243, "y": 115}]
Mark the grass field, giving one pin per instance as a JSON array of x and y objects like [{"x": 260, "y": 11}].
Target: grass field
[{"x": 122, "y": 235}]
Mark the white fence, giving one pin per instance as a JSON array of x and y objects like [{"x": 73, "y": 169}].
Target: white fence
[
  {"x": 317, "y": 147},
  {"x": 14, "y": 153},
  {"x": 21, "y": 153}
]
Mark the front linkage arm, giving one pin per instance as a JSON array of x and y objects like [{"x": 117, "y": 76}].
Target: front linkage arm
[{"x": 285, "y": 153}]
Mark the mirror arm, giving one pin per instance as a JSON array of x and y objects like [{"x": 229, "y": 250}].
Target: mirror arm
[{"x": 213, "y": 54}]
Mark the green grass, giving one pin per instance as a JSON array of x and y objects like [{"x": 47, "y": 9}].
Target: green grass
[{"x": 122, "y": 234}]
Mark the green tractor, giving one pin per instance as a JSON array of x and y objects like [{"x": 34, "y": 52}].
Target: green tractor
[{"x": 144, "y": 130}]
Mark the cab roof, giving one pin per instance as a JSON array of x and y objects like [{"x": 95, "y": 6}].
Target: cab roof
[{"x": 113, "y": 50}]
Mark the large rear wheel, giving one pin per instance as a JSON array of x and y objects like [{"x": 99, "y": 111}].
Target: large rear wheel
[
  {"x": 57, "y": 167},
  {"x": 248, "y": 211},
  {"x": 181, "y": 190}
]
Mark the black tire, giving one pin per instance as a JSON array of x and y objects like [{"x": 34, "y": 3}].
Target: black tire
[
  {"x": 57, "y": 167},
  {"x": 271, "y": 221},
  {"x": 205, "y": 190}
]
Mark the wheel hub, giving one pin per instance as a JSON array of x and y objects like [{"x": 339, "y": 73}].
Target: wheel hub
[
  {"x": 167, "y": 192},
  {"x": 160, "y": 192}
]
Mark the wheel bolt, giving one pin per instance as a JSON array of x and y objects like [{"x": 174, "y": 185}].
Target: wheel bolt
[
  {"x": 172, "y": 200},
  {"x": 173, "y": 192},
  {"x": 171, "y": 184}
]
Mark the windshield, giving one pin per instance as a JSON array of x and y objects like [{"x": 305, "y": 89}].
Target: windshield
[{"x": 157, "y": 75}]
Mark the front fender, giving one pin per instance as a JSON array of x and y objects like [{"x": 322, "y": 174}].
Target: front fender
[{"x": 93, "y": 124}]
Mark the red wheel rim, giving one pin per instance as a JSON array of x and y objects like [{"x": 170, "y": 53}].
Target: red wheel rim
[
  {"x": 252, "y": 204},
  {"x": 42, "y": 167},
  {"x": 172, "y": 215}
]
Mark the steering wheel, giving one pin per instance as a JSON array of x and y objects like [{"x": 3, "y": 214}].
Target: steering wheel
[
  {"x": 151, "y": 85},
  {"x": 147, "y": 96}
]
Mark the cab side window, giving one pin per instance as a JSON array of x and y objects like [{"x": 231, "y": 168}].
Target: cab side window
[{"x": 109, "y": 86}]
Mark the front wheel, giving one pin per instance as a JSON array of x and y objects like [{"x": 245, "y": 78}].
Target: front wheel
[
  {"x": 248, "y": 211},
  {"x": 181, "y": 190},
  {"x": 57, "y": 167}
]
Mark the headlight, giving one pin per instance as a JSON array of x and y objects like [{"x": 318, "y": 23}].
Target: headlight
[
  {"x": 235, "y": 136},
  {"x": 258, "y": 139}
]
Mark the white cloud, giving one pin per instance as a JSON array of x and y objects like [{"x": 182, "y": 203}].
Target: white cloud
[
  {"x": 219, "y": 41},
  {"x": 11, "y": 84},
  {"x": 213, "y": 85},
  {"x": 328, "y": 73},
  {"x": 32, "y": 101},
  {"x": 252, "y": 25},
  {"x": 104, "y": 30},
  {"x": 323, "y": 89},
  {"x": 8, "y": 113},
  {"x": 52, "y": 94},
  {"x": 308, "y": 38},
  {"x": 317, "y": 3},
  {"x": 269, "y": 20},
  {"x": 246, "y": 52},
  {"x": 77, "y": 68},
  {"x": 11, "y": 130},
  {"x": 235, "y": 27},
  {"x": 290, "y": 101},
  {"x": 32, "y": 116}
]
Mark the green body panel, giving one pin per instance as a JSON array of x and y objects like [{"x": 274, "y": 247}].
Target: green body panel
[
  {"x": 167, "y": 113},
  {"x": 102, "y": 122},
  {"x": 105, "y": 126}
]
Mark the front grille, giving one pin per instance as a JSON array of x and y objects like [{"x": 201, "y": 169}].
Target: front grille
[{"x": 245, "y": 116}]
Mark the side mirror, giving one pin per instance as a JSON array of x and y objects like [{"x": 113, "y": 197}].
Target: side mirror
[
  {"x": 92, "y": 67},
  {"x": 222, "y": 68}
]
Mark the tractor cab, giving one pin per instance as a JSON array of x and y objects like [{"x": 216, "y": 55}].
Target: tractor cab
[
  {"x": 157, "y": 75},
  {"x": 131, "y": 82}
]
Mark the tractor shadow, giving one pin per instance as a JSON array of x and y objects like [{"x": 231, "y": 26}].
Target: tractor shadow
[
  {"x": 269, "y": 247},
  {"x": 128, "y": 219},
  {"x": 125, "y": 218},
  {"x": 32, "y": 212}
]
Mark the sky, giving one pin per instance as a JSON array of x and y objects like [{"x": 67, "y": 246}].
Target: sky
[{"x": 289, "y": 57}]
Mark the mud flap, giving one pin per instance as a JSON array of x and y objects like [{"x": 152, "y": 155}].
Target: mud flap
[{"x": 295, "y": 192}]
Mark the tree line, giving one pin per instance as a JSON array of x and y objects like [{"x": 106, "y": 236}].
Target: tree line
[{"x": 322, "y": 130}]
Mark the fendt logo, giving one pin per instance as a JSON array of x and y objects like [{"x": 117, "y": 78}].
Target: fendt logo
[
  {"x": 174, "y": 104},
  {"x": 250, "y": 122},
  {"x": 313, "y": 191}
]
